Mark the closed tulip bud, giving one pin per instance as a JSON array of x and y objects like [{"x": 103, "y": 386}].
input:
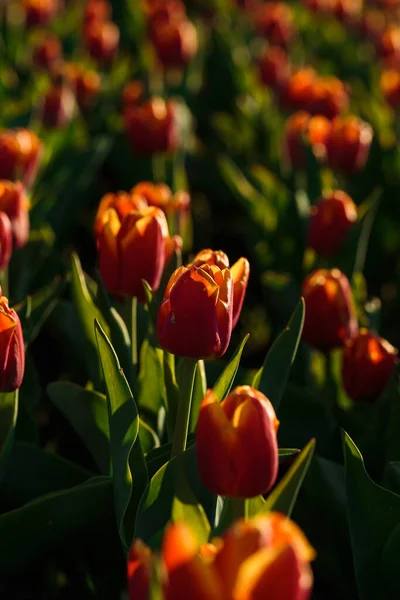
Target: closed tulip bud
[
  {"x": 47, "y": 53},
  {"x": 5, "y": 240},
  {"x": 390, "y": 86},
  {"x": 274, "y": 67},
  {"x": 195, "y": 317},
  {"x": 12, "y": 363},
  {"x": 368, "y": 364},
  {"x": 39, "y": 12},
  {"x": 102, "y": 40},
  {"x": 175, "y": 43},
  {"x": 302, "y": 128},
  {"x": 389, "y": 43},
  {"x": 97, "y": 10},
  {"x": 348, "y": 144},
  {"x": 298, "y": 90},
  {"x": 139, "y": 567},
  {"x": 240, "y": 272},
  {"x": 329, "y": 97},
  {"x": 330, "y": 318},
  {"x": 58, "y": 107},
  {"x": 152, "y": 127},
  {"x": 122, "y": 202},
  {"x": 20, "y": 153},
  {"x": 9, "y": 155},
  {"x": 85, "y": 83},
  {"x": 164, "y": 11},
  {"x": 330, "y": 221},
  {"x": 160, "y": 195},
  {"x": 237, "y": 449},
  {"x": 274, "y": 20},
  {"x": 133, "y": 249},
  {"x": 14, "y": 203},
  {"x": 132, "y": 93}
]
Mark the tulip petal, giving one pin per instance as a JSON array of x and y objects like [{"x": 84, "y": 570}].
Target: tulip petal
[{"x": 240, "y": 275}]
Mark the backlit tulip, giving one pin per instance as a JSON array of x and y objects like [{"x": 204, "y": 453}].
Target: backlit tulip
[
  {"x": 274, "y": 21},
  {"x": 5, "y": 240},
  {"x": 330, "y": 318},
  {"x": 390, "y": 86},
  {"x": 368, "y": 364},
  {"x": 330, "y": 221},
  {"x": 39, "y": 12},
  {"x": 20, "y": 153},
  {"x": 97, "y": 10},
  {"x": 102, "y": 40},
  {"x": 160, "y": 195},
  {"x": 122, "y": 202},
  {"x": 348, "y": 144},
  {"x": 58, "y": 106},
  {"x": 300, "y": 129},
  {"x": 274, "y": 67},
  {"x": 12, "y": 354},
  {"x": 47, "y": 53},
  {"x": 134, "y": 248},
  {"x": 14, "y": 203},
  {"x": 152, "y": 127},
  {"x": 86, "y": 83},
  {"x": 175, "y": 43},
  {"x": 132, "y": 93},
  {"x": 237, "y": 449},
  {"x": 195, "y": 317}
]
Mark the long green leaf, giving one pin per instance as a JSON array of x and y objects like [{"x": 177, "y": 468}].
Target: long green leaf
[
  {"x": 225, "y": 381},
  {"x": 8, "y": 421}
]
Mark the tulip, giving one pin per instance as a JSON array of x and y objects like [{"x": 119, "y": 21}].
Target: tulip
[
  {"x": 299, "y": 88},
  {"x": 240, "y": 272},
  {"x": 302, "y": 128},
  {"x": 329, "y": 97},
  {"x": 274, "y": 20},
  {"x": 47, "y": 53},
  {"x": 175, "y": 43},
  {"x": 164, "y": 11},
  {"x": 237, "y": 449},
  {"x": 330, "y": 221},
  {"x": 5, "y": 240},
  {"x": 122, "y": 202},
  {"x": 195, "y": 317},
  {"x": 274, "y": 67},
  {"x": 20, "y": 153},
  {"x": 86, "y": 83},
  {"x": 14, "y": 203},
  {"x": 330, "y": 318},
  {"x": 132, "y": 93},
  {"x": 390, "y": 86},
  {"x": 348, "y": 144},
  {"x": 389, "y": 43},
  {"x": 133, "y": 249},
  {"x": 12, "y": 354},
  {"x": 160, "y": 195},
  {"x": 58, "y": 106},
  {"x": 97, "y": 10},
  {"x": 152, "y": 127},
  {"x": 368, "y": 364},
  {"x": 102, "y": 40},
  {"x": 39, "y": 12}
]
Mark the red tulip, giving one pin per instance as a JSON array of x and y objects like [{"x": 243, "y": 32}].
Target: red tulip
[
  {"x": 330, "y": 221},
  {"x": 14, "y": 203},
  {"x": 348, "y": 144},
  {"x": 102, "y": 40},
  {"x": 58, "y": 106},
  {"x": 12, "y": 363},
  {"x": 5, "y": 240},
  {"x": 175, "y": 43},
  {"x": 47, "y": 53},
  {"x": 302, "y": 128},
  {"x": 152, "y": 127}
]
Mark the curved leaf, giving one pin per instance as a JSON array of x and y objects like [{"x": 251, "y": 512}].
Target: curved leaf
[
  {"x": 225, "y": 381},
  {"x": 8, "y": 420}
]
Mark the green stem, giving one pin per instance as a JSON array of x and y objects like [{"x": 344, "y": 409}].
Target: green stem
[
  {"x": 159, "y": 168},
  {"x": 238, "y": 508},
  {"x": 184, "y": 407},
  {"x": 4, "y": 282},
  {"x": 130, "y": 319}
]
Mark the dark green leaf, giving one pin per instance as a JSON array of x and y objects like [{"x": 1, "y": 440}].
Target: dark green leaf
[
  {"x": 8, "y": 420},
  {"x": 225, "y": 381}
]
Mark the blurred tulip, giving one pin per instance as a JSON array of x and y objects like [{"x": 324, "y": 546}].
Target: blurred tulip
[
  {"x": 58, "y": 106},
  {"x": 20, "y": 153},
  {"x": 14, "y": 203},
  {"x": 348, "y": 144},
  {"x": 388, "y": 44},
  {"x": 152, "y": 127},
  {"x": 297, "y": 93},
  {"x": 134, "y": 248},
  {"x": 97, "y": 10},
  {"x": 132, "y": 93},
  {"x": 320, "y": 6},
  {"x": 12, "y": 353},
  {"x": 371, "y": 25},
  {"x": 368, "y": 364},
  {"x": 47, "y": 53},
  {"x": 86, "y": 83},
  {"x": 195, "y": 317},
  {"x": 160, "y": 195},
  {"x": 175, "y": 43},
  {"x": 164, "y": 11},
  {"x": 237, "y": 449},
  {"x": 390, "y": 86},
  {"x": 274, "y": 67},
  {"x": 330, "y": 318},
  {"x": 302, "y": 128},
  {"x": 39, "y": 12},
  {"x": 274, "y": 20},
  {"x": 122, "y": 202},
  {"x": 329, "y": 97},
  {"x": 347, "y": 10},
  {"x": 6, "y": 242},
  {"x": 330, "y": 221},
  {"x": 101, "y": 40}
]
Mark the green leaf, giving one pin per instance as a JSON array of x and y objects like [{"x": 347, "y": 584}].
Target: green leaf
[
  {"x": 271, "y": 379},
  {"x": 148, "y": 437},
  {"x": 150, "y": 392},
  {"x": 86, "y": 411},
  {"x": 374, "y": 514},
  {"x": 199, "y": 391},
  {"x": 225, "y": 381},
  {"x": 152, "y": 303},
  {"x": 128, "y": 463},
  {"x": 45, "y": 524},
  {"x": 8, "y": 420}
]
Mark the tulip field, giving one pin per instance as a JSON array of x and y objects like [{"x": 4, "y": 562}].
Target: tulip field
[{"x": 200, "y": 299}]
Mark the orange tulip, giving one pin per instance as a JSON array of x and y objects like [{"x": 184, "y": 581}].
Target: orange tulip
[
  {"x": 348, "y": 144},
  {"x": 274, "y": 67},
  {"x": 47, "y": 53},
  {"x": 330, "y": 318},
  {"x": 368, "y": 364},
  {"x": 330, "y": 221},
  {"x": 134, "y": 248},
  {"x": 58, "y": 106},
  {"x": 237, "y": 449},
  {"x": 274, "y": 20},
  {"x": 102, "y": 40},
  {"x": 122, "y": 202},
  {"x": 301, "y": 128},
  {"x": 195, "y": 317},
  {"x": 12, "y": 363},
  {"x": 39, "y": 12},
  {"x": 5, "y": 240},
  {"x": 20, "y": 153},
  {"x": 86, "y": 83},
  {"x": 175, "y": 43},
  {"x": 152, "y": 126},
  {"x": 132, "y": 93},
  {"x": 160, "y": 195},
  {"x": 97, "y": 10},
  {"x": 14, "y": 203}
]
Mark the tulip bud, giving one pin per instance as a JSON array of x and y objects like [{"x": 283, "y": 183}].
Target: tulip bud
[
  {"x": 39, "y": 12},
  {"x": 5, "y": 240},
  {"x": 390, "y": 86},
  {"x": 86, "y": 84},
  {"x": 122, "y": 202},
  {"x": 274, "y": 20},
  {"x": 237, "y": 449},
  {"x": 160, "y": 195},
  {"x": 329, "y": 97},
  {"x": 134, "y": 248},
  {"x": 97, "y": 10},
  {"x": 139, "y": 566},
  {"x": 132, "y": 93},
  {"x": 58, "y": 107},
  {"x": 175, "y": 43},
  {"x": 389, "y": 43},
  {"x": 152, "y": 127},
  {"x": 348, "y": 144},
  {"x": 299, "y": 88},
  {"x": 368, "y": 364},
  {"x": 164, "y": 11},
  {"x": 102, "y": 40},
  {"x": 330, "y": 318},
  {"x": 14, "y": 203},
  {"x": 47, "y": 53},
  {"x": 274, "y": 67},
  {"x": 20, "y": 152},
  {"x": 12, "y": 364},
  {"x": 195, "y": 317},
  {"x": 330, "y": 221},
  {"x": 301, "y": 128}
]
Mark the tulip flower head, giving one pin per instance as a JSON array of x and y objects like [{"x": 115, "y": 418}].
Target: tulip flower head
[
  {"x": 58, "y": 106},
  {"x": 152, "y": 127},
  {"x": 14, "y": 203},
  {"x": 12, "y": 353},
  {"x": 122, "y": 202},
  {"x": 330, "y": 318},
  {"x": 133, "y": 248},
  {"x": 348, "y": 144},
  {"x": 102, "y": 40},
  {"x": 20, "y": 153},
  {"x": 39, "y": 12},
  {"x": 237, "y": 449},
  {"x": 368, "y": 364},
  {"x": 6, "y": 242},
  {"x": 330, "y": 221},
  {"x": 47, "y": 53},
  {"x": 175, "y": 43},
  {"x": 86, "y": 83},
  {"x": 301, "y": 128},
  {"x": 274, "y": 68}
]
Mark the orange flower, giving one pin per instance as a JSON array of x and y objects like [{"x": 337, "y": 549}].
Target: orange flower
[
  {"x": 160, "y": 195},
  {"x": 274, "y": 67},
  {"x": 330, "y": 318},
  {"x": 330, "y": 221},
  {"x": 274, "y": 20},
  {"x": 14, "y": 203},
  {"x": 368, "y": 364},
  {"x": 86, "y": 83},
  {"x": 132, "y": 248},
  {"x": 122, "y": 202},
  {"x": 39, "y": 12},
  {"x": 175, "y": 43},
  {"x": 58, "y": 106},
  {"x": 47, "y": 53},
  {"x": 12, "y": 362},
  {"x": 348, "y": 144},
  {"x": 237, "y": 449},
  {"x": 152, "y": 127},
  {"x": 301, "y": 128},
  {"x": 97, "y": 10},
  {"x": 20, "y": 153},
  {"x": 132, "y": 93},
  {"x": 102, "y": 40},
  {"x": 390, "y": 86},
  {"x": 5, "y": 240}
]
